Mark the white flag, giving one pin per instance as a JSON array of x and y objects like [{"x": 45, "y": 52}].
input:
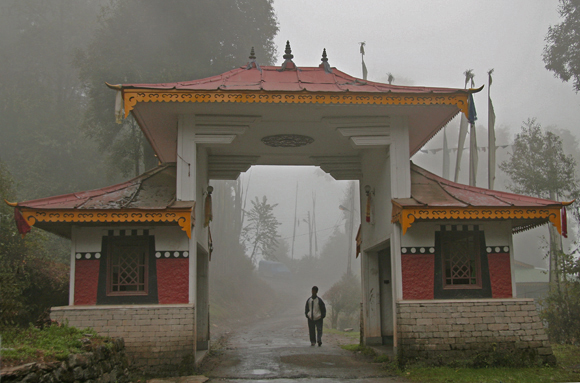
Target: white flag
[
  {"x": 462, "y": 135},
  {"x": 490, "y": 137},
  {"x": 472, "y": 156},
  {"x": 445, "y": 155}
]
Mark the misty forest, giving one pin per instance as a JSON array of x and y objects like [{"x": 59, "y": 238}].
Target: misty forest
[{"x": 276, "y": 231}]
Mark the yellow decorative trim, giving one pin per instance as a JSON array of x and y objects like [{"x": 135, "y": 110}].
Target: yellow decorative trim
[
  {"x": 133, "y": 96},
  {"x": 13, "y": 204},
  {"x": 406, "y": 215},
  {"x": 183, "y": 217}
]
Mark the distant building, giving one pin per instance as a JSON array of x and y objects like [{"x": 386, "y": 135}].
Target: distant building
[{"x": 531, "y": 281}]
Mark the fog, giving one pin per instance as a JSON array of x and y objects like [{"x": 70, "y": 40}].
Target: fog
[
  {"x": 58, "y": 133},
  {"x": 431, "y": 43}
]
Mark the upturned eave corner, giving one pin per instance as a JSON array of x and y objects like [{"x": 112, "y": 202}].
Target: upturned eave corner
[
  {"x": 12, "y": 204},
  {"x": 114, "y": 86}
]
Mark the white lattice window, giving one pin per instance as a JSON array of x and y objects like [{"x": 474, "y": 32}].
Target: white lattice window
[
  {"x": 127, "y": 266},
  {"x": 461, "y": 260}
]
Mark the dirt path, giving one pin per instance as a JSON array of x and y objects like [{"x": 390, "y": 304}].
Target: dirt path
[{"x": 277, "y": 349}]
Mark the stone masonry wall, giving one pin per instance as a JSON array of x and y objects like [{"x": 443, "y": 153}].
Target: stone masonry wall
[
  {"x": 157, "y": 337},
  {"x": 101, "y": 364},
  {"x": 440, "y": 331}
]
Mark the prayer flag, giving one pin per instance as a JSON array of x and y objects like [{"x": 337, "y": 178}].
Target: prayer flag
[
  {"x": 445, "y": 155},
  {"x": 564, "y": 223},
  {"x": 462, "y": 135},
  {"x": 490, "y": 136},
  {"x": 473, "y": 159},
  {"x": 21, "y": 224},
  {"x": 362, "y": 55}
]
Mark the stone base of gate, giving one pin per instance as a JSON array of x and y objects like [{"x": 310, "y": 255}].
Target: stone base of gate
[
  {"x": 449, "y": 331},
  {"x": 157, "y": 337}
]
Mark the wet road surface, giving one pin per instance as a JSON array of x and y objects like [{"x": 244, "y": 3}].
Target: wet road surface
[{"x": 277, "y": 350}]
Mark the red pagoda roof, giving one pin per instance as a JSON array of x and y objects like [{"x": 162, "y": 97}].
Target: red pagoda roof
[
  {"x": 434, "y": 197},
  {"x": 310, "y": 79},
  {"x": 148, "y": 198},
  {"x": 430, "y": 190}
]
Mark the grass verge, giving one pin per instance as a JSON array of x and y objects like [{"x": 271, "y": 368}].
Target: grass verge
[
  {"x": 568, "y": 370},
  {"x": 366, "y": 351},
  {"x": 20, "y": 346},
  {"x": 347, "y": 334}
]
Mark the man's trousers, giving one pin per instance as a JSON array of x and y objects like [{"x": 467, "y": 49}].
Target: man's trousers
[{"x": 315, "y": 326}]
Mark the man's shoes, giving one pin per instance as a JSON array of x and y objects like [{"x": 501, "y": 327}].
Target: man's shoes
[
  {"x": 312, "y": 344},
  {"x": 319, "y": 344}
]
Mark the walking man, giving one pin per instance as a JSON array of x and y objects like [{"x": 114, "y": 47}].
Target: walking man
[{"x": 315, "y": 311}]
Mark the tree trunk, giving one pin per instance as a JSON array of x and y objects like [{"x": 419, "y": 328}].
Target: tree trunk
[
  {"x": 334, "y": 323},
  {"x": 555, "y": 250}
]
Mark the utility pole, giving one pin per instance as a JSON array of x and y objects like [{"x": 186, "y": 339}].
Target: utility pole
[
  {"x": 349, "y": 230},
  {"x": 314, "y": 223},
  {"x": 309, "y": 222},
  {"x": 295, "y": 222}
]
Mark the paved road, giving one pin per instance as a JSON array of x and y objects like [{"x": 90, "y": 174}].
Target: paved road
[{"x": 277, "y": 350}]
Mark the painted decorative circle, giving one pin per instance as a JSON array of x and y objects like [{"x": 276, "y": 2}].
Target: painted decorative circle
[
  {"x": 186, "y": 254},
  {"x": 489, "y": 249},
  {"x": 88, "y": 255},
  {"x": 422, "y": 250},
  {"x": 287, "y": 140},
  {"x": 431, "y": 250},
  {"x": 98, "y": 255},
  {"x": 404, "y": 250},
  {"x": 176, "y": 254},
  {"x": 79, "y": 256},
  {"x": 413, "y": 250},
  {"x": 497, "y": 249},
  {"x": 506, "y": 249},
  {"x": 158, "y": 255},
  {"x": 167, "y": 254}
]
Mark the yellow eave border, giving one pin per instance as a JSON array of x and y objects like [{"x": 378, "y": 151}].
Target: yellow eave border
[
  {"x": 407, "y": 215},
  {"x": 132, "y": 96},
  {"x": 184, "y": 217}
]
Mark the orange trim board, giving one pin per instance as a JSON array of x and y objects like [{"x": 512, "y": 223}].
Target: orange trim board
[
  {"x": 183, "y": 217},
  {"x": 132, "y": 96},
  {"x": 407, "y": 215}
]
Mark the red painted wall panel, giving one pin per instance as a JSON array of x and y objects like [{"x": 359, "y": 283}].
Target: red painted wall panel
[
  {"x": 173, "y": 280},
  {"x": 86, "y": 281},
  {"x": 500, "y": 275},
  {"x": 418, "y": 276}
]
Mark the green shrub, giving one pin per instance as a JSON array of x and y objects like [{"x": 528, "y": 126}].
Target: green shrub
[
  {"x": 561, "y": 308},
  {"x": 49, "y": 344}
]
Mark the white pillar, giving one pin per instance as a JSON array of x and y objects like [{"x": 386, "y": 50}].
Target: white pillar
[
  {"x": 187, "y": 185},
  {"x": 73, "y": 251},
  {"x": 186, "y": 159},
  {"x": 512, "y": 265},
  {"x": 371, "y": 298},
  {"x": 399, "y": 159},
  {"x": 396, "y": 276}
]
